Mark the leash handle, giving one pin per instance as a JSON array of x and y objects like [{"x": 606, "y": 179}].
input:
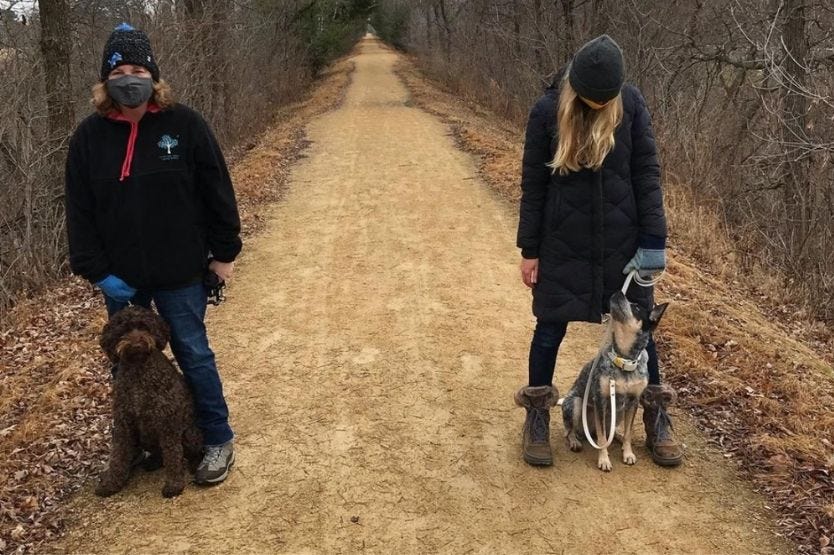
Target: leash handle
[
  {"x": 214, "y": 288},
  {"x": 634, "y": 276}
]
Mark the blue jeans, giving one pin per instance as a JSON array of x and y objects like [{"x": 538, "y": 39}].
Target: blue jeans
[
  {"x": 545, "y": 346},
  {"x": 184, "y": 310}
]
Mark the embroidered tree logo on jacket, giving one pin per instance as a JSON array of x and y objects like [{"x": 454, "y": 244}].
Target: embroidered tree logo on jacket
[{"x": 167, "y": 143}]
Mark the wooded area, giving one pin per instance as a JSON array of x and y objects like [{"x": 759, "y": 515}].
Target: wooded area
[
  {"x": 741, "y": 91},
  {"x": 233, "y": 61}
]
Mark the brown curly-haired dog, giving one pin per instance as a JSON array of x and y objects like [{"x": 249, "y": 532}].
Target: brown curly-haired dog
[{"x": 152, "y": 406}]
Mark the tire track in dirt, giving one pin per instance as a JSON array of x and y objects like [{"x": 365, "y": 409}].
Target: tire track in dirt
[{"x": 370, "y": 347}]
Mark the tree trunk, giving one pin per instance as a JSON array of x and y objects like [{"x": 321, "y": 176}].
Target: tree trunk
[
  {"x": 798, "y": 191},
  {"x": 195, "y": 35},
  {"x": 56, "y": 47},
  {"x": 428, "y": 28},
  {"x": 599, "y": 19},
  {"x": 217, "y": 59},
  {"x": 570, "y": 29},
  {"x": 541, "y": 66},
  {"x": 517, "y": 28},
  {"x": 447, "y": 30}
]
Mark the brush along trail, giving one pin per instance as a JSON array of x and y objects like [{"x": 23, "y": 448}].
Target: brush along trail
[{"x": 370, "y": 346}]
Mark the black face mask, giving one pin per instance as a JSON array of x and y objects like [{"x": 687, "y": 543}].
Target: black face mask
[{"x": 129, "y": 90}]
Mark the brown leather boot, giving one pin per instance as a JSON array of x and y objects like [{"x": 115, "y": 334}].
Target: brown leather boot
[
  {"x": 660, "y": 439},
  {"x": 536, "y": 433}
]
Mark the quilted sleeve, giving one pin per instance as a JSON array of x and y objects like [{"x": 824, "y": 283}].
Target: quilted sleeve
[
  {"x": 535, "y": 176},
  {"x": 645, "y": 173}
]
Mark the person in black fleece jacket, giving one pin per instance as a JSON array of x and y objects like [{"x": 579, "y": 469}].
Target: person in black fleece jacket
[
  {"x": 591, "y": 212},
  {"x": 150, "y": 205}
]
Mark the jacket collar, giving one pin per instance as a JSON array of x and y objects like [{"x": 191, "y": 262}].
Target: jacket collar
[
  {"x": 127, "y": 163},
  {"x": 116, "y": 115}
]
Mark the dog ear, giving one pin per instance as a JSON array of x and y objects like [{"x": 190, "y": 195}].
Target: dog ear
[
  {"x": 110, "y": 335},
  {"x": 657, "y": 314}
]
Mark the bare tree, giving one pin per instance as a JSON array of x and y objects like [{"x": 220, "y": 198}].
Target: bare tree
[
  {"x": 233, "y": 61},
  {"x": 56, "y": 46},
  {"x": 741, "y": 92}
]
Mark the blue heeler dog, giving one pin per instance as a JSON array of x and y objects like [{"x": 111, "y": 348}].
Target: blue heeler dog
[{"x": 622, "y": 358}]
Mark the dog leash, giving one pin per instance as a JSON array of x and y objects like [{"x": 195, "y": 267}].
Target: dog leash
[
  {"x": 214, "y": 288},
  {"x": 612, "y": 392},
  {"x": 634, "y": 276},
  {"x": 612, "y": 385}
]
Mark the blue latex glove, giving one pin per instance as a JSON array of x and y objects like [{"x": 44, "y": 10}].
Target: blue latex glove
[
  {"x": 647, "y": 262},
  {"x": 116, "y": 289}
]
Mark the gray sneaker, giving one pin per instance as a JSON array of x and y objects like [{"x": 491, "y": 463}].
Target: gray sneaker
[{"x": 217, "y": 461}]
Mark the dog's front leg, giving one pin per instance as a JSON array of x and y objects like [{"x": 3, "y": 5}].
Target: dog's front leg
[
  {"x": 628, "y": 428},
  {"x": 123, "y": 450},
  {"x": 172, "y": 459},
  {"x": 572, "y": 419},
  {"x": 603, "y": 462}
]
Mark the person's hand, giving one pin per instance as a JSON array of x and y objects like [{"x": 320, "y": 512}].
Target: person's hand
[
  {"x": 116, "y": 289},
  {"x": 647, "y": 262},
  {"x": 224, "y": 270},
  {"x": 530, "y": 271}
]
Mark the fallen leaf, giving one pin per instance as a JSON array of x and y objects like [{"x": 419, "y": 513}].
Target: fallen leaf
[{"x": 18, "y": 533}]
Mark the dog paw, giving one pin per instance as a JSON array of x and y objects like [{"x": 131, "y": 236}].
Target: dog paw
[
  {"x": 604, "y": 464},
  {"x": 629, "y": 457},
  {"x": 106, "y": 489},
  {"x": 574, "y": 444},
  {"x": 172, "y": 490}
]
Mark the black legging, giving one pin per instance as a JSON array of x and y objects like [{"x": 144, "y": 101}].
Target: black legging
[{"x": 545, "y": 346}]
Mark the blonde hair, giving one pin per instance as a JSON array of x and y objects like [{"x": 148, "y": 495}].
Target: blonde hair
[
  {"x": 162, "y": 96},
  {"x": 585, "y": 136}
]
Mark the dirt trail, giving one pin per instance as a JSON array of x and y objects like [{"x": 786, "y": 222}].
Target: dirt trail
[{"x": 370, "y": 347}]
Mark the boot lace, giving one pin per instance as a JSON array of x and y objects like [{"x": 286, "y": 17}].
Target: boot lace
[
  {"x": 662, "y": 425},
  {"x": 212, "y": 456},
  {"x": 540, "y": 426}
]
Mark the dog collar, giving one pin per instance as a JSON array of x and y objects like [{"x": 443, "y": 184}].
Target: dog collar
[{"x": 624, "y": 364}]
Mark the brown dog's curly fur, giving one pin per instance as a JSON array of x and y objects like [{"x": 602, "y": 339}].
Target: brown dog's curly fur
[{"x": 152, "y": 406}]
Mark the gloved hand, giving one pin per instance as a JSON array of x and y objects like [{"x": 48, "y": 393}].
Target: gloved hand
[
  {"x": 116, "y": 289},
  {"x": 647, "y": 262}
]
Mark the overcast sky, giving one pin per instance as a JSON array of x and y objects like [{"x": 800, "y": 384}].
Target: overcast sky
[{"x": 20, "y": 6}]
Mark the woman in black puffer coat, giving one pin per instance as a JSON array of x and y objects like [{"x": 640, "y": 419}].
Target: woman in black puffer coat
[{"x": 591, "y": 211}]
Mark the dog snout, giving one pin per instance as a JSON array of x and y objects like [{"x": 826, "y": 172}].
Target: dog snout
[
  {"x": 135, "y": 345},
  {"x": 620, "y": 307}
]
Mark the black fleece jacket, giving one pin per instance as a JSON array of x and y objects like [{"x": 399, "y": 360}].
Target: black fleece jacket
[{"x": 149, "y": 202}]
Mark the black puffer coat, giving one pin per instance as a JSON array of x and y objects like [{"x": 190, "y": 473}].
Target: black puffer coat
[{"x": 584, "y": 227}]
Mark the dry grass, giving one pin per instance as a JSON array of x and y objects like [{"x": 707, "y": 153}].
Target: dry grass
[
  {"x": 54, "y": 382},
  {"x": 261, "y": 176},
  {"x": 751, "y": 368}
]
